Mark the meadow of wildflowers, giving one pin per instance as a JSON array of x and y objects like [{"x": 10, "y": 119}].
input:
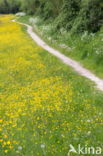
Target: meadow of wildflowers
[
  {"x": 87, "y": 48},
  {"x": 44, "y": 105}
]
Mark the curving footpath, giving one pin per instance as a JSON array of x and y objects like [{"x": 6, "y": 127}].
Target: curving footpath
[{"x": 74, "y": 64}]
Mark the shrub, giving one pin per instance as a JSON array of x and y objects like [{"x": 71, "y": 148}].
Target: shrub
[
  {"x": 9, "y": 6},
  {"x": 69, "y": 12},
  {"x": 90, "y": 17}
]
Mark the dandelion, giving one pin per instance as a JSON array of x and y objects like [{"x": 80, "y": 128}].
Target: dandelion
[
  {"x": 8, "y": 142},
  {"x": 5, "y": 151},
  {"x": 1, "y": 120},
  {"x": 1, "y": 140}
]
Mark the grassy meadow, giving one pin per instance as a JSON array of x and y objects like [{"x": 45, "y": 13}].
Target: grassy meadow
[
  {"x": 44, "y": 105},
  {"x": 87, "y": 48}
]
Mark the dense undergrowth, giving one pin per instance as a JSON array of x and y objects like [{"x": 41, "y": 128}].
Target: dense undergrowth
[
  {"x": 44, "y": 105},
  {"x": 76, "y": 16}
]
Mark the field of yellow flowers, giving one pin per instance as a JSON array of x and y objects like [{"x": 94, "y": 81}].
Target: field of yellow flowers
[{"x": 44, "y": 105}]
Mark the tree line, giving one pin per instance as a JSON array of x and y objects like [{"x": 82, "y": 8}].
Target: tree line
[{"x": 75, "y": 15}]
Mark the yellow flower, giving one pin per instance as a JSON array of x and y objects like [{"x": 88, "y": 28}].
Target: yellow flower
[
  {"x": 4, "y": 143},
  {"x": 11, "y": 147},
  {"x": 5, "y": 136},
  {"x": 5, "y": 151},
  {"x": 8, "y": 142},
  {"x": 1, "y": 120},
  {"x": 1, "y": 140}
]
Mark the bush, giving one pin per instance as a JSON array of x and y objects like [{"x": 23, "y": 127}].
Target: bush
[
  {"x": 46, "y": 10},
  {"x": 69, "y": 12},
  {"x": 9, "y": 6},
  {"x": 73, "y": 15},
  {"x": 30, "y": 6},
  {"x": 90, "y": 17},
  {"x": 94, "y": 14}
]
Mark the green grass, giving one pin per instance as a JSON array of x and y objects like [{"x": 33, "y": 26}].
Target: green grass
[
  {"x": 45, "y": 105},
  {"x": 85, "y": 48}
]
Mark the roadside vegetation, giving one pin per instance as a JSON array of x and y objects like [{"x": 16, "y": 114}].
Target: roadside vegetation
[{"x": 44, "y": 105}]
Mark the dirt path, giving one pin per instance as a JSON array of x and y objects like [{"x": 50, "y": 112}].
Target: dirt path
[{"x": 74, "y": 64}]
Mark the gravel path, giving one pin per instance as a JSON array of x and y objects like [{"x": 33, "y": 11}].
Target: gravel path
[{"x": 74, "y": 64}]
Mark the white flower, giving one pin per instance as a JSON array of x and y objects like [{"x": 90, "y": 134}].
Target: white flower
[
  {"x": 97, "y": 52},
  {"x": 49, "y": 38},
  {"x": 88, "y": 120},
  {"x": 20, "y": 148},
  {"x": 17, "y": 151},
  {"x": 42, "y": 145},
  {"x": 34, "y": 20},
  {"x": 21, "y": 14},
  {"x": 89, "y": 132},
  {"x": 84, "y": 36},
  {"x": 64, "y": 46},
  {"x": 62, "y": 135}
]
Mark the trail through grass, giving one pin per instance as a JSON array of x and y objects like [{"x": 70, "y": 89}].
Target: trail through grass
[
  {"x": 86, "y": 48},
  {"x": 44, "y": 105}
]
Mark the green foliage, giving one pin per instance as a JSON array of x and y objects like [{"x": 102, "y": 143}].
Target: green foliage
[
  {"x": 8, "y": 6},
  {"x": 90, "y": 17},
  {"x": 75, "y": 15},
  {"x": 94, "y": 15},
  {"x": 69, "y": 12},
  {"x": 46, "y": 10},
  {"x": 87, "y": 47},
  {"x": 30, "y": 6}
]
